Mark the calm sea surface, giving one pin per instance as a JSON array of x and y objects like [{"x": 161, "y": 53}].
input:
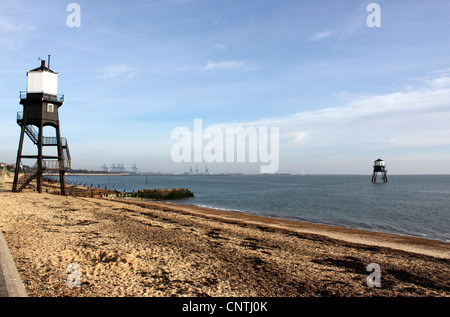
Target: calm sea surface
[{"x": 413, "y": 205}]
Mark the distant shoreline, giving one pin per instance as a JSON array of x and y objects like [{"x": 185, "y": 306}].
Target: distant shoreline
[
  {"x": 234, "y": 174},
  {"x": 93, "y": 174}
]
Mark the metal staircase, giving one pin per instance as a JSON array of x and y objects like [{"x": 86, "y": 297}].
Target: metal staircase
[
  {"x": 27, "y": 177},
  {"x": 52, "y": 165}
]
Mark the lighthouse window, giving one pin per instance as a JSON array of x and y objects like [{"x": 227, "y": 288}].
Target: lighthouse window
[{"x": 50, "y": 107}]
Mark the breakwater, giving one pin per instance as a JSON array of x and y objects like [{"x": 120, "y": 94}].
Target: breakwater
[{"x": 155, "y": 194}]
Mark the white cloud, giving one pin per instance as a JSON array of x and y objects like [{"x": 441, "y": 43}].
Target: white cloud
[
  {"x": 416, "y": 118},
  {"x": 319, "y": 36},
  {"x": 220, "y": 46},
  {"x": 210, "y": 65},
  {"x": 299, "y": 136},
  {"x": 168, "y": 2},
  {"x": 117, "y": 71},
  {"x": 13, "y": 35},
  {"x": 9, "y": 26}
]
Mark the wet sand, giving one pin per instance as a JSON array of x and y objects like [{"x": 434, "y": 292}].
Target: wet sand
[{"x": 136, "y": 248}]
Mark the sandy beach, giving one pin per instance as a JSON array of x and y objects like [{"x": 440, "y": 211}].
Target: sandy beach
[{"x": 137, "y": 248}]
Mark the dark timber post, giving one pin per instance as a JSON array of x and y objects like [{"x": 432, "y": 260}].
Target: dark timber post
[
  {"x": 19, "y": 152},
  {"x": 60, "y": 162},
  {"x": 39, "y": 162},
  {"x": 40, "y": 109}
]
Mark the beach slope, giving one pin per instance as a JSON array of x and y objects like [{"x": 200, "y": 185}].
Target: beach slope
[{"x": 83, "y": 246}]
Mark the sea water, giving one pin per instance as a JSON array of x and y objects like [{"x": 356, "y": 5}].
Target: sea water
[{"x": 412, "y": 205}]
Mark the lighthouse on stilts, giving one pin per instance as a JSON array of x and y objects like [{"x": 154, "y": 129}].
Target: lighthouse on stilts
[
  {"x": 41, "y": 104},
  {"x": 379, "y": 167}
]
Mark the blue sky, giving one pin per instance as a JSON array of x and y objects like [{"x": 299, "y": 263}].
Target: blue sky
[{"x": 341, "y": 93}]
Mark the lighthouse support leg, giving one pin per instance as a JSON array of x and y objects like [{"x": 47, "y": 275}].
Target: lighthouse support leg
[
  {"x": 19, "y": 155},
  {"x": 61, "y": 162}
]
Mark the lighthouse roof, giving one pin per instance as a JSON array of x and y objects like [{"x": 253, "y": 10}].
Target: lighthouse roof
[{"x": 42, "y": 68}]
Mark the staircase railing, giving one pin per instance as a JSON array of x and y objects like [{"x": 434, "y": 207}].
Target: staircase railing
[
  {"x": 56, "y": 165},
  {"x": 27, "y": 177},
  {"x": 33, "y": 134}
]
